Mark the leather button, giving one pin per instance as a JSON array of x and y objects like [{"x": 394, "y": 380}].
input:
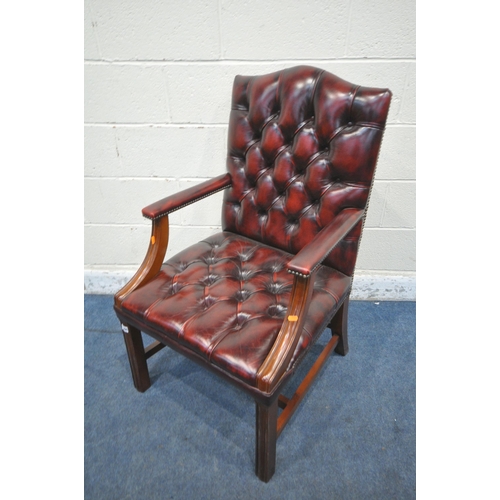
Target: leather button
[
  {"x": 210, "y": 280},
  {"x": 275, "y": 288},
  {"x": 276, "y": 310},
  {"x": 192, "y": 312},
  {"x": 244, "y": 275},
  {"x": 242, "y": 295},
  {"x": 276, "y": 267}
]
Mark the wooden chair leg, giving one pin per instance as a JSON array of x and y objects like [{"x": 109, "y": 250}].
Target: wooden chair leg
[
  {"x": 136, "y": 357},
  {"x": 266, "y": 436},
  {"x": 338, "y": 326}
]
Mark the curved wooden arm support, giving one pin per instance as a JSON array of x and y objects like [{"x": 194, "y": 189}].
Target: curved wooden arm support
[
  {"x": 158, "y": 213},
  {"x": 278, "y": 359},
  {"x": 303, "y": 266},
  {"x": 152, "y": 262}
]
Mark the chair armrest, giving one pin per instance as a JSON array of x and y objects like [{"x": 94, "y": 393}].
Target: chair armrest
[
  {"x": 303, "y": 265},
  {"x": 313, "y": 254},
  {"x": 160, "y": 228},
  {"x": 186, "y": 197},
  {"x": 152, "y": 261}
]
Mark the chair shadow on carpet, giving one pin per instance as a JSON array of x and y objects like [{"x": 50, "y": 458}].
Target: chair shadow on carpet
[{"x": 192, "y": 435}]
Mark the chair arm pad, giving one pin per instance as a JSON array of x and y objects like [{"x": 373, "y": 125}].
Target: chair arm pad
[
  {"x": 186, "y": 197},
  {"x": 313, "y": 254}
]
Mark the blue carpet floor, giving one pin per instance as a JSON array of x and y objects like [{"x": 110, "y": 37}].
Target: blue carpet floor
[{"x": 191, "y": 436}]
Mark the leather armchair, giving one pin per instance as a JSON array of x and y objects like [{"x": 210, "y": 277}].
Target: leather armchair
[{"x": 249, "y": 302}]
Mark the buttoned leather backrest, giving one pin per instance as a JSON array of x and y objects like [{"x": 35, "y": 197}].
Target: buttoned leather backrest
[{"x": 302, "y": 146}]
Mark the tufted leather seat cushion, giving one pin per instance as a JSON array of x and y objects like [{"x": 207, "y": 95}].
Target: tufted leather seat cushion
[{"x": 225, "y": 299}]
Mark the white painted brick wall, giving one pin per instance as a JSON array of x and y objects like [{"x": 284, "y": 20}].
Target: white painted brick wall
[{"x": 158, "y": 79}]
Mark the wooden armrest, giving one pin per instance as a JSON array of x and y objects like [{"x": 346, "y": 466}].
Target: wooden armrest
[
  {"x": 152, "y": 262},
  {"x": 186, "y": 197},
  {"x": 158, "y": 213},
  {"x": 303, "y": 266},
  {"x": 313, "y": 254}
]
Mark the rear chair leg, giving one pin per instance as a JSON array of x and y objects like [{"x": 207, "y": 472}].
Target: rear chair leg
[
  {"x": 338, "y": 326},
  {"x": 266, "y": 436},
  {"x": 136, "y": 357}
]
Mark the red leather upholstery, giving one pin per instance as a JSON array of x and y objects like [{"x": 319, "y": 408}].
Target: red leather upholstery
[
  {"x": 249, "y": 301},
  {"x": 303, "y": 145},
  {"x": 226, "y": 297}
]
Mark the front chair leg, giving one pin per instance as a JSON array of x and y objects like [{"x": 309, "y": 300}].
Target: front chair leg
[
  {"x": 266, "y": 436},
  {"x": 136, "y": 357},
  {"x": 338, "y": 326}
]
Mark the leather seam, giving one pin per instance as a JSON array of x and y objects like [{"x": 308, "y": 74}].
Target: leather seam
[
  {"x": 314, "y": 91},
  {"x": 369, "y": 125},
  {"x": 355, "y": 91}
]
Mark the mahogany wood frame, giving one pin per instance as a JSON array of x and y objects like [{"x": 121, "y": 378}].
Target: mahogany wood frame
[{"x": 269, "y": 425}]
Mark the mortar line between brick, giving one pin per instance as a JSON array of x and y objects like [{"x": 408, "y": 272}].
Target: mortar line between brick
[
  {"x": 137, "y": 178},
  {"x": 372, "y": 228},
  {"x": 157, "y": 125},
  {"x": 201, "y": 125},
  {"x": 222, "y": 62},
  {"x": 199, "y": 179},
  {"x": 211, "y": 226},
  {"x": 148, "y": 178},
  {"x": 146, "y": 224}
]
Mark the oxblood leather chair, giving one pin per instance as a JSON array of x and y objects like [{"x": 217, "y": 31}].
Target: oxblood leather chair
[{"x": 248, "y": 302}]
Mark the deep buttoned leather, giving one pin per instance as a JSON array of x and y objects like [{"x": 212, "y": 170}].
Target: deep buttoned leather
[
  {"x": 302, "y": 149},
  {"x": 226, "y": 297},
  {"x": 303, "y": 145}
]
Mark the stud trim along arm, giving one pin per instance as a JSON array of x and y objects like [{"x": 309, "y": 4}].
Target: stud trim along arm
[
  {"x": 158, "y": 213},
  {"x": 186, "y": 197}
]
